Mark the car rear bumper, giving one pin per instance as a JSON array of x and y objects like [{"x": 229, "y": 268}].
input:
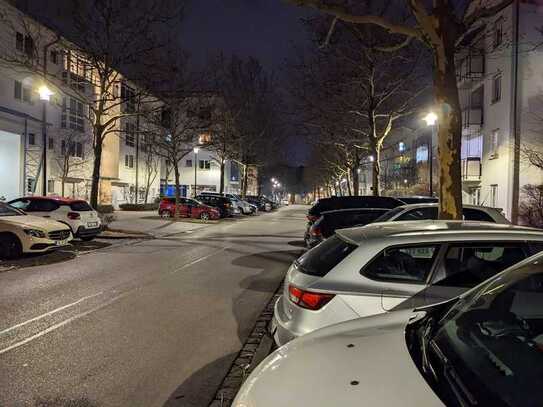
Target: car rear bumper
[
  {"x": 280, "y": 326},
  {"x": 82, "y": 231}
]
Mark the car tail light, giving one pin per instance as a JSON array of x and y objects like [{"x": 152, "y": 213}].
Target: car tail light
[
  {"x": 315, "y": 231},
  {"x": 312, "y": 218},
  {"x": 73, "y": 215},
  {"x": 307, "y": 299},
  {"x": 227, "y": 205}
]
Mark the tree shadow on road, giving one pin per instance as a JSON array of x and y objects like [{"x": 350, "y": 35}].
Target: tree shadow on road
[
  {"x": 199, "y": 389},
  {"x": 59, "y": 401}
]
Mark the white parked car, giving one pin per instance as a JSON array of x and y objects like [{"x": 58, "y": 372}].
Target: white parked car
[
  {"x": 21, "y": 233},
  {"x": 76, "y": 213},
  {"x": 481, "y": 349},
  {"x": 381, "y": 267}
]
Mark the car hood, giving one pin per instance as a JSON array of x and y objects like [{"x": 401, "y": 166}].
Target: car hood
[
  {"x": 29, "y": 221},
  {"x": 364, "y": 362}
]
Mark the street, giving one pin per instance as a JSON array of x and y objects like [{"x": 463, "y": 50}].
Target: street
[{"x": 144, "y": 323}]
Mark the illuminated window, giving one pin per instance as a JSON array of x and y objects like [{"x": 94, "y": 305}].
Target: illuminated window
[{"x": 204, "y": 138}]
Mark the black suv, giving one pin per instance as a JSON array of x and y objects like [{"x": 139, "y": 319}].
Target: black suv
[{"x": 223, "y": 204}]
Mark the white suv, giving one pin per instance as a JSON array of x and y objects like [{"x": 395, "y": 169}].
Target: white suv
[{"x": 76, "y": 213}]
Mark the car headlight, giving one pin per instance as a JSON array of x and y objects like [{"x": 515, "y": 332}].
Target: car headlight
[{"x": 35, "y": 232}]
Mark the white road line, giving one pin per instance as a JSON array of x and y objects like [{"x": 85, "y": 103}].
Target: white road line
[
  {"x": 11, "y": 328},
  {"x": 198, "y": 260},
  {"x": 62, "y": 323}
]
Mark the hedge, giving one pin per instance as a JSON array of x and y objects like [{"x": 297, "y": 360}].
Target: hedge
[
  {"x": 105, "y": 208},
  {"x": 139, "y": 207}
]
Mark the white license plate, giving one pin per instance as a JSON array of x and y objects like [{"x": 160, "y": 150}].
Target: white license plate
[
  {"x": 92, "y": 224},
  {"x": 60, "y": 242}
]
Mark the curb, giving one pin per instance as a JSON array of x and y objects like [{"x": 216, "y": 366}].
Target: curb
[
  {"x": 124, "y": 234},
  {"x": 256, "y": 348}
]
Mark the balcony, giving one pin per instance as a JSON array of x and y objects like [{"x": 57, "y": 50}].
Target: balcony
[
  {"x": 470, "y": 68},
  {"x": 472, "y": 116},
  {"x": 471, "y": 169}
]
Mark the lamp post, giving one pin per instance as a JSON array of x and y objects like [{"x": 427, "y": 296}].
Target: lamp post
[
  {"x": 431, "y": 120},
  {"x": 45, "y": 95},
  {"x": 196, "y": 150}
]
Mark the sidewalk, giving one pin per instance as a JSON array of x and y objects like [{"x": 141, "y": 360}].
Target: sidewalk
[{"x": 149, "y": 222}]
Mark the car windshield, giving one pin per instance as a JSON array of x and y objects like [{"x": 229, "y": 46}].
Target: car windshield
[
  {"x": 385, "y": 217},
  {"x": 489, "y": 346},
  {"x": 6, "y": 210}
]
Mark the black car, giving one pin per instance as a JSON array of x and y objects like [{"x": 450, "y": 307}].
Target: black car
[
  {"x": 263, "y": 204},
  {"x": 223, "y": 204},
  {"x": 349, "y": 202},
  {"x": 330, "y": 221}
]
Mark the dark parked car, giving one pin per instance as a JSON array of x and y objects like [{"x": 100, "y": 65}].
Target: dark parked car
[
  {"x": 223, "y": 204},
  {"x": 262, "y": 204},
  {"x": 348, "y": 202},
  {"x": 188, "y": 208},
  {"x": 330, "y": 221}
]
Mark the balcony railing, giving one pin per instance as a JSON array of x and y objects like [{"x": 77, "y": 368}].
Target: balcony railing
[
  {"x": 471, "y": 169},
  {"x": 472, "y": 116},
  {"x": 471, "y": 67}
]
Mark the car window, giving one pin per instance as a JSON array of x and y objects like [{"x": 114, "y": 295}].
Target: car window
[
  {"x": 42, "y": 205},
  {"x": 80, "y": 206},
  {"x": 20, "y": 204},
  {"x": 324, "y": 257},
  {"x": 408, "y": 263},
  {"x": 476, "y": 215},
  {"x": 352, "y": 218},
  {"x": 6, "y": 210},
  {"x": 389, "y": 215},
  {"x": 466, "y": 265},
  {"x": 419, "y": 214}
]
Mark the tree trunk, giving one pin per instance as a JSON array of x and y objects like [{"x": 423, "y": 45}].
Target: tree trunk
[
  {"x": 63, "y": 183},
  {"x": 95, "y": 182},
  {"x": 376, "y": 170},
  {"x": 349, "y": 179},
  {"x": 356, "y": 181},
  {"x": 245, "y": 179},
  {"x": 221, "y": 184},
  {"x": 450, "y": 128},
  {"x": 177, "y": 189}
]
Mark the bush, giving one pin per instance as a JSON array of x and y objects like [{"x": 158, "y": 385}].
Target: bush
[
  {"x": 104, "y": 208},
  {"x": 531, "y": 206},
  {"x": 139, "y": 207}
]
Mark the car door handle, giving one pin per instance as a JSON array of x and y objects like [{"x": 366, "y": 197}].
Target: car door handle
[{"x": 46, "y": 216}]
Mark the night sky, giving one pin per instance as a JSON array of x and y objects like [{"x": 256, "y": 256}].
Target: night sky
[{"x": 266, "y": 29}]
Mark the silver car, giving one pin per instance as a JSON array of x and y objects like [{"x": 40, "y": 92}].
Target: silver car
[
  {"x": 483, "y": 349},
  {"x": 386, "y": 266},
  {"x": 427, "y": 211}
]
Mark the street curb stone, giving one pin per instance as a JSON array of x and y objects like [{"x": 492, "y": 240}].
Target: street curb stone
[{"x": 255, "y": 349}]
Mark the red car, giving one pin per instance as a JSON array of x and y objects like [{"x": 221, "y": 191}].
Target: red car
[{"x": 188, "y": 208}]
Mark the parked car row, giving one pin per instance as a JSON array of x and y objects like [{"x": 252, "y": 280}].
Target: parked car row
[
  {"x": 41, "y": 224},
  {"x": 211, "y": 205},
  {"x": 407, "y": 310}
]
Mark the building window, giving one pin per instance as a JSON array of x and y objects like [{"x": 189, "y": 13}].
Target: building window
[
  {"x": 205, "y": 164},
  {"x": 475, "y": 194},
  {"x": 18, "y": 90},
  {"x": 498, "y": 32},
  {"x": 204, "y": 138},
  {"x": 188, "y": 163},
  {"x": 75, "y": 149},
  {"x": 27, "y": 95},
  {"x": 130, "y": 134},
  {"x": 53, "y": 56},
  {"x": 494, "y": 143},
  {"x": 496, "y": 88},
  {"x": 31, "y": 139},
  {"x": 50, "y": 186},
  {"x": 128, "y": 97},
  {"x": 51, "y": 141},
  {"x": 19, "y": 41},
  {"x": 30, "y": 184},
  {"x": 129, "y": 161},
  {"x": 477, "y": 98},
  {"x": 494, "y": 195},
  {"x": 401, "y": 146},
  {"x": 72, "y": 117}
]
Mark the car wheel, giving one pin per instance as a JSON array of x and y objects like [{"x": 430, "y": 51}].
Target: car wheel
[
  {"x": 10, "y": 247},
  {"x": 204, "y": 216},
  {"x": 165, "y": 214}
]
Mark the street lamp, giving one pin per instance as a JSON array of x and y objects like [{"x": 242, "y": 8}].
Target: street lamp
[
  {"x": 196, "y": 150},
  {"x": 45, "y": 95},
  {"x": 431, "y": 120}
]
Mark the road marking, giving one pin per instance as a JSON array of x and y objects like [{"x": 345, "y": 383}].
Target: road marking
[
  {"x": 11, "y": 328},
  {"x": 198, "y": 260},
  {"x": 62, "y": 323}
]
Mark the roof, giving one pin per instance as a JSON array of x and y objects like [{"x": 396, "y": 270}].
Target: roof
[
  {"x": 436, "y": 204},
  {"x": 334, "y": 211},
  {"x": 426, "y": 230},
  {"x": 55, "y": 198}
]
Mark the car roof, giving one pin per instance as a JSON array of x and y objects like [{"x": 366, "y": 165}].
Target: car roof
[
  {"x": 436, "y": 204},
  {"x": 52, "y": 198},
  {"x": 339, "y": 211},
  {"x": 426, "y": 230}
]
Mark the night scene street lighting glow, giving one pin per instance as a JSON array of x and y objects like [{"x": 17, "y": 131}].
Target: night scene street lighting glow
[
  {"x": 430, "y": 119},
  {"x": 45, "y": 93},
  {"x": 196, "y": 150},
  {"x": 273, "y": 180}
]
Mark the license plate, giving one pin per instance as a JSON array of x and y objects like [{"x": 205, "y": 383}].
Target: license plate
[
  {"x": 60, "y": 242},
  {"x": 92, "y": 224}
]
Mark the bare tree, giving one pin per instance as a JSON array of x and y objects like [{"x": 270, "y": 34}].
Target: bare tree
[
  {"x": 441, "y": 28},
  {"x": 72, "y": 157}
]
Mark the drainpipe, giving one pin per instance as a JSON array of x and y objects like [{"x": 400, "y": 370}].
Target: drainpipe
[{"x": 514, "y": 117}]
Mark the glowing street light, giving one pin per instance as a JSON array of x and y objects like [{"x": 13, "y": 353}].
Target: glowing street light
[
  {"x": 279, "y": 185},
  {"x": 45, "y": 93},
  {"x": 196, "y": 150},
  {"x": 273, "y": 180},
  {"x": 430, "y": 119}
]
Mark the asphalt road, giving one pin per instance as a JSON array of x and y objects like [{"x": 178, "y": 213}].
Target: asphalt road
[{"x": 152, "y": 323}]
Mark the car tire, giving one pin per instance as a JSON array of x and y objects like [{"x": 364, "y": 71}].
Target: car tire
[
  {"x": 204, "y": 216},
  {"x": 10, "y": 247}
]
